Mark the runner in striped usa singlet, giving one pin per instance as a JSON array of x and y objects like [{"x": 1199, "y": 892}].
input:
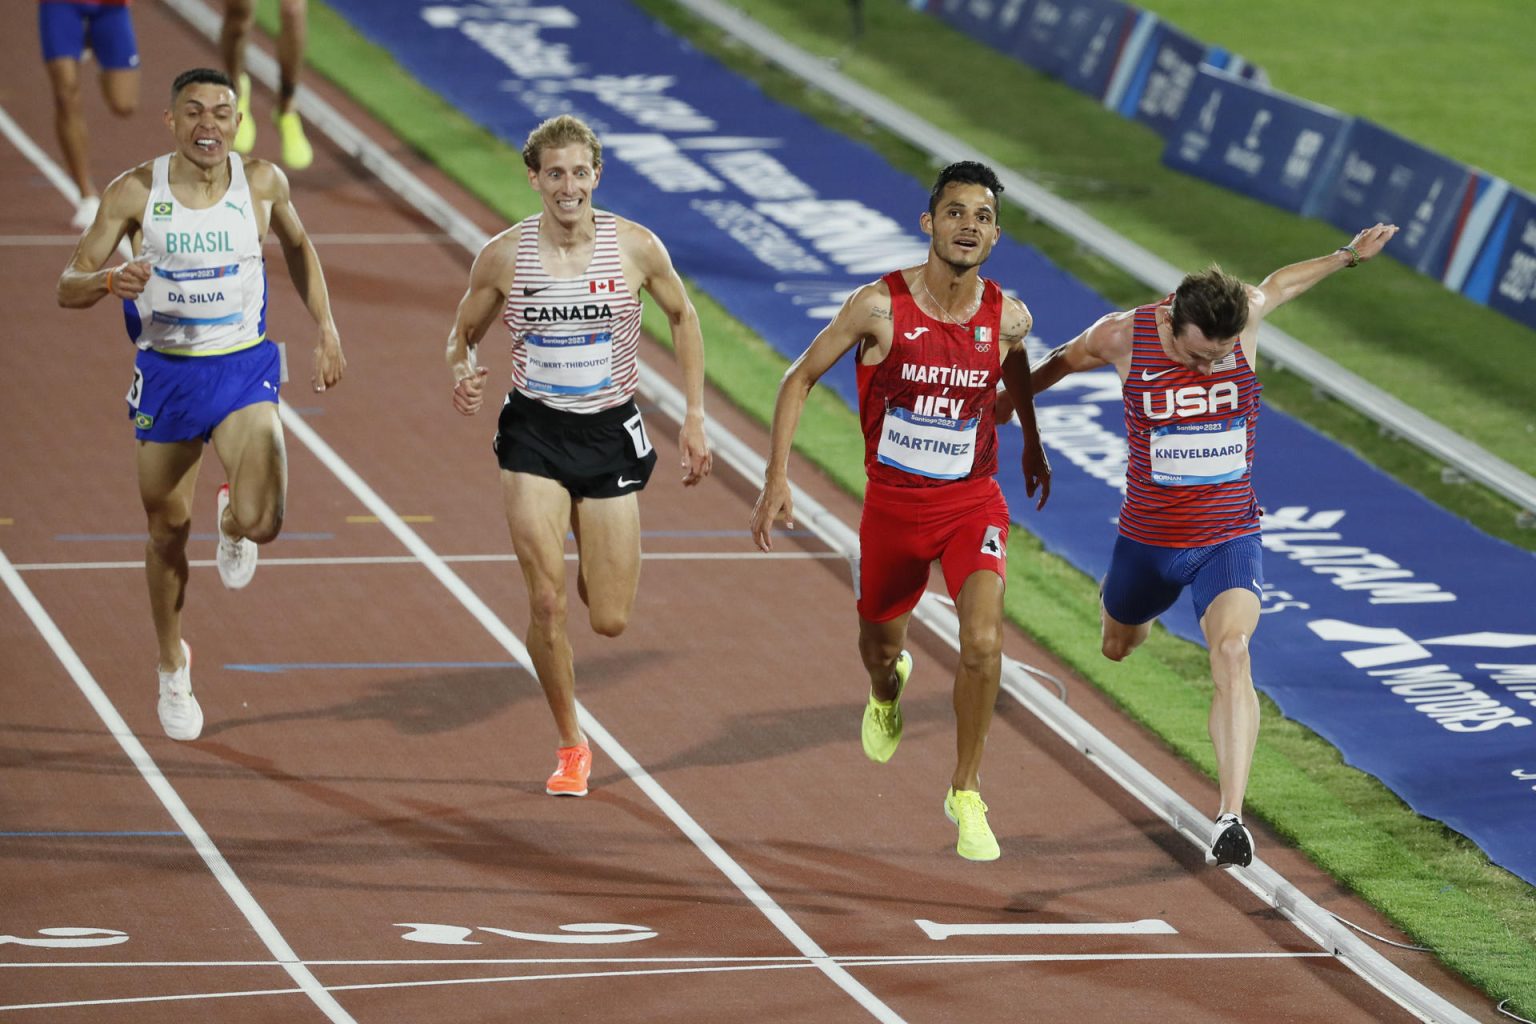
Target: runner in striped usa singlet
[
  {"x": 570, "y": 440},
  {"x": 1190, "y": 518},
  {"x": 194, "y": 299},
  {"x": 931, "y": 342}
]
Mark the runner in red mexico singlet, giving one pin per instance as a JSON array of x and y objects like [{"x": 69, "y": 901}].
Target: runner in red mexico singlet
[
  {"x": 930, "y": 343},
  {"x": 1190, "y": 519}
]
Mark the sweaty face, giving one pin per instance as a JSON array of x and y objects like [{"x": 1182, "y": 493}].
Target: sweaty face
[
  {"x": 1191, "y": 348},
  {"x": 963, "y": 225},
  {"x": 565, "y": 179},
  {"x": 203, "y": 120}
]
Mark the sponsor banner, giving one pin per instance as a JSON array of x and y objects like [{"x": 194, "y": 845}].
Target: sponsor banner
[
  {"x": 994, "y": 22},
  {"x": 1385, "y": 178},
  {"x": 1261, "y": 143},
  {"x": 1418, "y": 659},
  {"x": 1504, "y": 274},
  {"x": 1077, "y": 41}
]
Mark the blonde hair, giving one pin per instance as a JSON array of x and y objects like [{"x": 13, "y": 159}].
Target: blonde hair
[{"x": 556, "y": 132}]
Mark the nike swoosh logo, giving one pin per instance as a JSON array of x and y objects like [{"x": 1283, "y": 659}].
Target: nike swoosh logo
[
  {"x": 626, "y": 483},
  {"x": 1153, "y": 376},
  {"x": 914, "y": 335},
  {"x": 527, "y": 292}
]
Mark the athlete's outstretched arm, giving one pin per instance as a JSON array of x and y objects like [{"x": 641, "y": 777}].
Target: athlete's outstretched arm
[
  {"x": 1106, "y": 343},
  {"x": 666, "y": 287},
  {"x": 84, "y": 283},
  {"x": 489, "y": 280},
  {"x": 866, "y": 315},
  {"x": 1290, "y": 281},
  {"x": 269, "y": 183}
]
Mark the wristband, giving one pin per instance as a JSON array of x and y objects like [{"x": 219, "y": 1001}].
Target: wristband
[
  {"x": 110, "y": 272},
  {"x": 1354, "y": 255}
]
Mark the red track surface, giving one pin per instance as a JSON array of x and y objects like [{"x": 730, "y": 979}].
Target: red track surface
[{"x": 357, "y": 802}]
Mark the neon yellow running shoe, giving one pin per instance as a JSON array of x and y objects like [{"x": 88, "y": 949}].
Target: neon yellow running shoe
[
  {"x": 245, "y": 135},
  {"x": 297, "y": 152},
  {"x": 882, "y": 718},
  {"x": 965, "y": 809}
]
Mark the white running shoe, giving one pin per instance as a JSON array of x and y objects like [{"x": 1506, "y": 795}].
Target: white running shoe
[
  {"x": 85, "y": 213},
  {"x": 180, "y": 715},
  {"x": 1231, "y": 843},
  {"x": 236, "y": 558}
]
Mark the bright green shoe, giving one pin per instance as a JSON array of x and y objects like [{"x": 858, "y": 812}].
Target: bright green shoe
[
  {"x": 245, "y": 135},
  {"x": 882, "y": 718},
  {"x": 297, "y": 152},
  {"x": 965, "y": 809}
]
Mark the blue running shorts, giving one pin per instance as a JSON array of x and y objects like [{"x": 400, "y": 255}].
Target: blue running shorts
[
  {"x": 1144, "y": 580},
  {"x": 64, "y": 28},
  {"x": 183, "y": 398}
]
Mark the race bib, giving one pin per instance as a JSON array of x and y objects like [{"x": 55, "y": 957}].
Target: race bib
[
  {"x": 1187, "y": 454},
  {"x": 575, "y": 365},
  {"x": 203, "y": 297},
  {"x": 933, "y": 446}
]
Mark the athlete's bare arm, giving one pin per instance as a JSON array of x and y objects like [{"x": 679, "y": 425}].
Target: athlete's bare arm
[
  {"x": 1106, "y": 343},
  {"x": 269, "y": 189},
  {"x": 864, "y": 320},
  {"x": 490, "y": 279},
  {"x": 643, "y": 250},
  {"x": 1016, "y": 322},
  {"x": 84, "y": 282},
  {"x": 1290, "y": 281}
]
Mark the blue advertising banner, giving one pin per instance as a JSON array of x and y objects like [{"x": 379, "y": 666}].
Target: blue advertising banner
[
  {"x": 1504, "y": 274},
  {"x": 1077, "y": 41},
  {"x": 993, "y": 22},
  {"x": 1385, "y": 178},
  {"x": 1155, "y": 74},
  {"x": 1256, "y": 141},
  {"x": 1418, "y": 660}
]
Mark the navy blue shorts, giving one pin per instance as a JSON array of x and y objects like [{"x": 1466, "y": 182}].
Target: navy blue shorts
[
  {"x": 65, "y": 27},
  {"x": 182, "y": 398},
  {"x": 1144, "y": 580}
]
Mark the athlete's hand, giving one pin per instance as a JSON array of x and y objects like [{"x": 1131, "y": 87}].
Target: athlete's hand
[
  {"x": 775, "y": 502},
  {"x": 329, "y": 363},
  {"x": 128, "y": 280},
  {"x": 469, "y": 391},
  {"x": 698, "y": 460},
  {"x": 1372, "y": 240},
  {"x": 1037, "y": 471}
]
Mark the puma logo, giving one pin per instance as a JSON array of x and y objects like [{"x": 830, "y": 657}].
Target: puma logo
[
  {"x": 1153, "y": 376},
  {"x": 913, "y": 335},
  {"x": 238, "y": 209}
]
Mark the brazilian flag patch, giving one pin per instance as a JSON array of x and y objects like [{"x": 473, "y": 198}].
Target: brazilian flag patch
[
  {"x": 143, "y": 420},
  {"x": 161, "y": 211}
]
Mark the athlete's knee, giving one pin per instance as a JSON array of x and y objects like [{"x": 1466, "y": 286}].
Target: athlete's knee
[
  {"x": 610, "y": 622},
  {"x": 980, "y": 647},
  {"x": 878, "y": 653},
  {"x": 122, "y": 106},
  {"x": 1229, "y": 661},
  {"x": 265, "y": 527},
  {"x": 168, "y": 535},
  {"x": 67, "y": 99},
  {"x": 546, "y": 606},
  {"x": 292, "y": 10}
]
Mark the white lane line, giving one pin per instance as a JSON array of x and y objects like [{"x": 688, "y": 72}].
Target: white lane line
[
  {"x": 869, "y": 960},
  {"x": 42, "y": 161},
  {"x": 655, "y": 556},
  {"x": 732, "y": 968},
  {"x": 596, "y": 732},
  {"x": 1146, "y": 926},
  {"x": 161, "y": 787}
]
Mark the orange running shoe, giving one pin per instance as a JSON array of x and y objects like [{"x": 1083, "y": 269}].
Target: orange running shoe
[{"x": 570, "y": 778}]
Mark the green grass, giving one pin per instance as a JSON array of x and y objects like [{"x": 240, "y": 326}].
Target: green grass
[{"x": 1435, "y": 884}]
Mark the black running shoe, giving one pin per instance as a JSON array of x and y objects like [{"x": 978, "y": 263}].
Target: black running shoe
[{"x": 1231, "y": 843}]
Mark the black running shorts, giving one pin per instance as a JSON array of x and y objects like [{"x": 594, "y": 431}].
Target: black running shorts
[{"x": 594, "y": 455}]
